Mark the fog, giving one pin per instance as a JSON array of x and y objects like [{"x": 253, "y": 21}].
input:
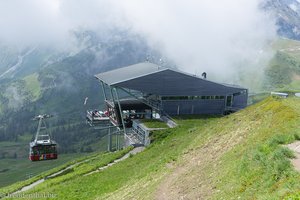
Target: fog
[
  {"x": 52, "y": 22},
  {"x": 228, "y": 39}
]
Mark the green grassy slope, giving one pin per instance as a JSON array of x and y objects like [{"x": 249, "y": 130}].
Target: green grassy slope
[
  {"x": 258, "y": 166},
  {"x": 33, "y": 85},
  {"x": 154, "y": 123},
  {"x": 13, "y": 170},
  {"x": 237, "y": 156},
  {"x": 15, "y": 165},
  {"x": 82, "y": 166},
  {"x": 284, "y": 69}
]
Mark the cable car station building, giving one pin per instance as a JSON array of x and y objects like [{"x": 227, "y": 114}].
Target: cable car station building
[
  {"x": 148, "y": 89},
  {"x": 174, "y": 92}
]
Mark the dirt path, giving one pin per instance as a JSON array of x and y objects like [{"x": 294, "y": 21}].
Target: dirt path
[
  {"x": 295, "y": 147},
  {"x": 190, "y": 180},
  {"x": 132, "y": 152},
  {"x": 32, "y": 185}
]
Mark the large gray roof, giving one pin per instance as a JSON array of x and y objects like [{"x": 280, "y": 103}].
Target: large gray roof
[
  {"x": 127, "y": 73},
  {"x": 153, "y": 79}
]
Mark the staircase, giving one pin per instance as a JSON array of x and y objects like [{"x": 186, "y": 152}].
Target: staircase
[
  {"x": 170, "y": 122},
  {"x": 133, "y": 138}
]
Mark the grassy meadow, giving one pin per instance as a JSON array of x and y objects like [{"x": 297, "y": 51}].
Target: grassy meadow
[{"x": 240, "y": 156}]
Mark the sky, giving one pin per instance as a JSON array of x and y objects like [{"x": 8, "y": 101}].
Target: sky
[{"x": 223, "y": 38}]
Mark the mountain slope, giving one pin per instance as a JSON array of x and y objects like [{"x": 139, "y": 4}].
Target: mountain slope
[
  {"x": 287, "y": 13},
  {"x": 42, "y": 80},
  {"x": 58, "y": 84},
  {"x": 283, "y": 71},
  {"x": 237, "y": 156}
]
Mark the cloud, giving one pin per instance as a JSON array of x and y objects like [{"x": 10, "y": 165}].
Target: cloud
[
  {"x": 29, "y": 21},
  {"x": 221, "y": 38},
  {"x": 48, "y": 22},
  {"x": 224, "y": 38}
]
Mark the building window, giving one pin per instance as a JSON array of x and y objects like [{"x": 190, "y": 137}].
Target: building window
[{"x": 176, "y": 98}]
